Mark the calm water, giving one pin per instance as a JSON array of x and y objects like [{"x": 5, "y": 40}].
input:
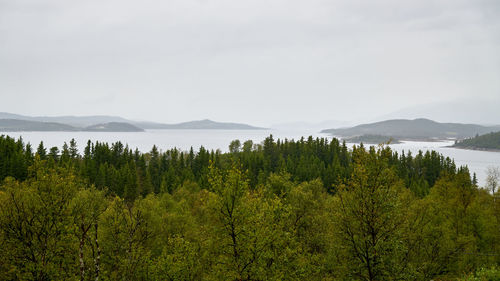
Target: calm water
[
  {"x": 477, "y": 161},
  {"x": 163, "y": 139}
]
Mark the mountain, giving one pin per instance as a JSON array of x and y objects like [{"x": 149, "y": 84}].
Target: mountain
[
  {"x": 197, "y": 125},
  {"x": 83, "y": 122},
  {"x": 417, "y": 129},
  {"x": 75, "y": 121},
  {"x": 13, "y": 125},
  {"x": 489, "y": 141},
  {"x": 113, "y": 127}
]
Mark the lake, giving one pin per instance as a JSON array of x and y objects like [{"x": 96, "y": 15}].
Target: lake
[{"x": 477, "y": 161}]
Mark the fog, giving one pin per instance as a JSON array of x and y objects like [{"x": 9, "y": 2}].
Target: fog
[{"x": 258, "y": 62}]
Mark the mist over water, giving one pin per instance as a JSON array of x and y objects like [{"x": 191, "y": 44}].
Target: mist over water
[{"x": 477, "y": 161}]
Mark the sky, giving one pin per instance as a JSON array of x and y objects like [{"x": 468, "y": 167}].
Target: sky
[{"x": 259, "y": 61}]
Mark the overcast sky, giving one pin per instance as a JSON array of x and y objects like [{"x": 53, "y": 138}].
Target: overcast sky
[{"x": 256, "y": 61}]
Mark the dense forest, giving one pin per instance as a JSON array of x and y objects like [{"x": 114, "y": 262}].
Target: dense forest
[
  {"x": 309, "y": 209},
  {"x": 488, "y": 141}
]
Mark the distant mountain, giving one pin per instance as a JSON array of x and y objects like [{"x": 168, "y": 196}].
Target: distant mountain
[
  {"x": 417, "y": 129},
  {"x": 489, "y": 141},
  {"x": 13, "y": 125},
  {"x": 196, "y": 125},
  {"x": 83, "y": 122},
  {"x": 75, "y": 121},
  {"x": 113, "y": 127}
]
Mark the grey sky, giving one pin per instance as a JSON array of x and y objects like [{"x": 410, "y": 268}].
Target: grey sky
[{"x": 256, "y": 61}]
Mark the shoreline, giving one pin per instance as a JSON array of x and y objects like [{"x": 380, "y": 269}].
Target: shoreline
[
  {"x": 475, "y": 148},
  {"x": 398, "y": 140}
]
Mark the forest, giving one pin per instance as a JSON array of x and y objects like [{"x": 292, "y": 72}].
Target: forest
[
  {"x": 489, "y": 141},
  {"x": 308, "y": 209}
]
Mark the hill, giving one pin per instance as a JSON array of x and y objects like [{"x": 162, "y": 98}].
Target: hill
[
  {"x": 489, "y": 141},
  {"x": 417, "y": 129},
  {"x": 113, "y": 127},
  {"x": 75, "y": 121},
  {"x": 12, "y": 125},
  {"x": 197, "y": 125},
  {"x": 93, "y": 122}
]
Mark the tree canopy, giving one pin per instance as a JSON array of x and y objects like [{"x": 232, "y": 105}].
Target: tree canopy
[{"x": 310, "y": 209}]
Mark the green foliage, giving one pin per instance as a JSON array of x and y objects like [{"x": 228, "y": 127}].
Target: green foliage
[
  {"x": 35, "y": 224},
  {"x": 285, "y": 210},
  {"x": 14, "y": 158},
  {"x": 370, "y": 219},
  {"x": 487, "y": 141},
  {"x": 129, "y": 236},
  {"x": 235, "y": 146},
  {"x": 87, "y": 206},
  {"x": 483, "y": 274},
  {"x": 130, "y": 174}
]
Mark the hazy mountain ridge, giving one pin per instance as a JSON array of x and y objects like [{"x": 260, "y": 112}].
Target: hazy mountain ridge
[
  {"x": 417, "y": 129},
  {"x": 113, "y": 127},
  {"x": 75, "y": 121},
  {"x": 15, "y": 125},
  {"x": 199, "y": 125},
  {"x": 79, "y": 123}
]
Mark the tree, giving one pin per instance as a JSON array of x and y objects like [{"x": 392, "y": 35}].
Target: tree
[
  {"x": 54, "y": 153},
  {"x": 311, "y": 227},
  {"x": 247, "y": 146},
  {"x": 474, "y": 179},
  {"x": 86, "y": 208},
  {"x": 129, "y": 235},
  {"x": 42, "y": 151},
  {"x": 492, "y": 178},
  {"x": 35, "y": 222},
  {"x": 73, "y": 150},
  {"x": 369, "y": 220},
  {"x": 235, "y": 146},
  {"x": 249, "y": 234},
  {"x": 65, "y": 155},
  {"x": 456, "y": 236}
]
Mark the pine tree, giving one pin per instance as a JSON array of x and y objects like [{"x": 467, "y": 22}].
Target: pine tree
[{"x": 41, "y": 151}]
